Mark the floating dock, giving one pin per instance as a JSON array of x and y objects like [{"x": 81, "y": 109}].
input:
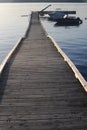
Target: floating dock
[
  {"x": 38, "y": 89},
  {"x": 65, "y": 12}
]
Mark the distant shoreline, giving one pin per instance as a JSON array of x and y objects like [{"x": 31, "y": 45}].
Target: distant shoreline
[{"x": 43, "y": 2}]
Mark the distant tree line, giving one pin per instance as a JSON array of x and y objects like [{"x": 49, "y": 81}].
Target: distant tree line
[
  {"x": 43, "y": 0},
  {"x": 50, "y": 0}
]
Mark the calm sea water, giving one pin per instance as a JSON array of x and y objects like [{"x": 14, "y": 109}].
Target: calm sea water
[{"x": 73, "y": 40}]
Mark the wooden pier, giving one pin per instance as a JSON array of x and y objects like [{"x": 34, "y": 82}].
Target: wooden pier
[{"x": 38, "y": 89}]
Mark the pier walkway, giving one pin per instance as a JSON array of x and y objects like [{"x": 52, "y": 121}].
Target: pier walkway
[{"x": 38, "y": 90}]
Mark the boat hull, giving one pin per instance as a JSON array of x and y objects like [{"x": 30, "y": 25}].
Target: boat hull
[{"x": 69, "y": 22}]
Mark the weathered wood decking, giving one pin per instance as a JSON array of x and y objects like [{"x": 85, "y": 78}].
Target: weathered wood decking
[{"x": 38, "y": 90}]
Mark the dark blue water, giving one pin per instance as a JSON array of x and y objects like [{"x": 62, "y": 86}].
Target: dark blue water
[{"x": 73, "y": 39}]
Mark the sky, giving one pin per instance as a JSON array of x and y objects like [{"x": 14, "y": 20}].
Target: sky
[{"x": 43, "y": 0}]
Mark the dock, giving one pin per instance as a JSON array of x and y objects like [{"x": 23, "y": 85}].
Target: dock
[
  {"x": 64, "y": 12},
  {"x": 38, "y": 89}
]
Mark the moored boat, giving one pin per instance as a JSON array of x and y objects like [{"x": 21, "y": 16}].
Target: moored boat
[{"x": 69, "y": 21}]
